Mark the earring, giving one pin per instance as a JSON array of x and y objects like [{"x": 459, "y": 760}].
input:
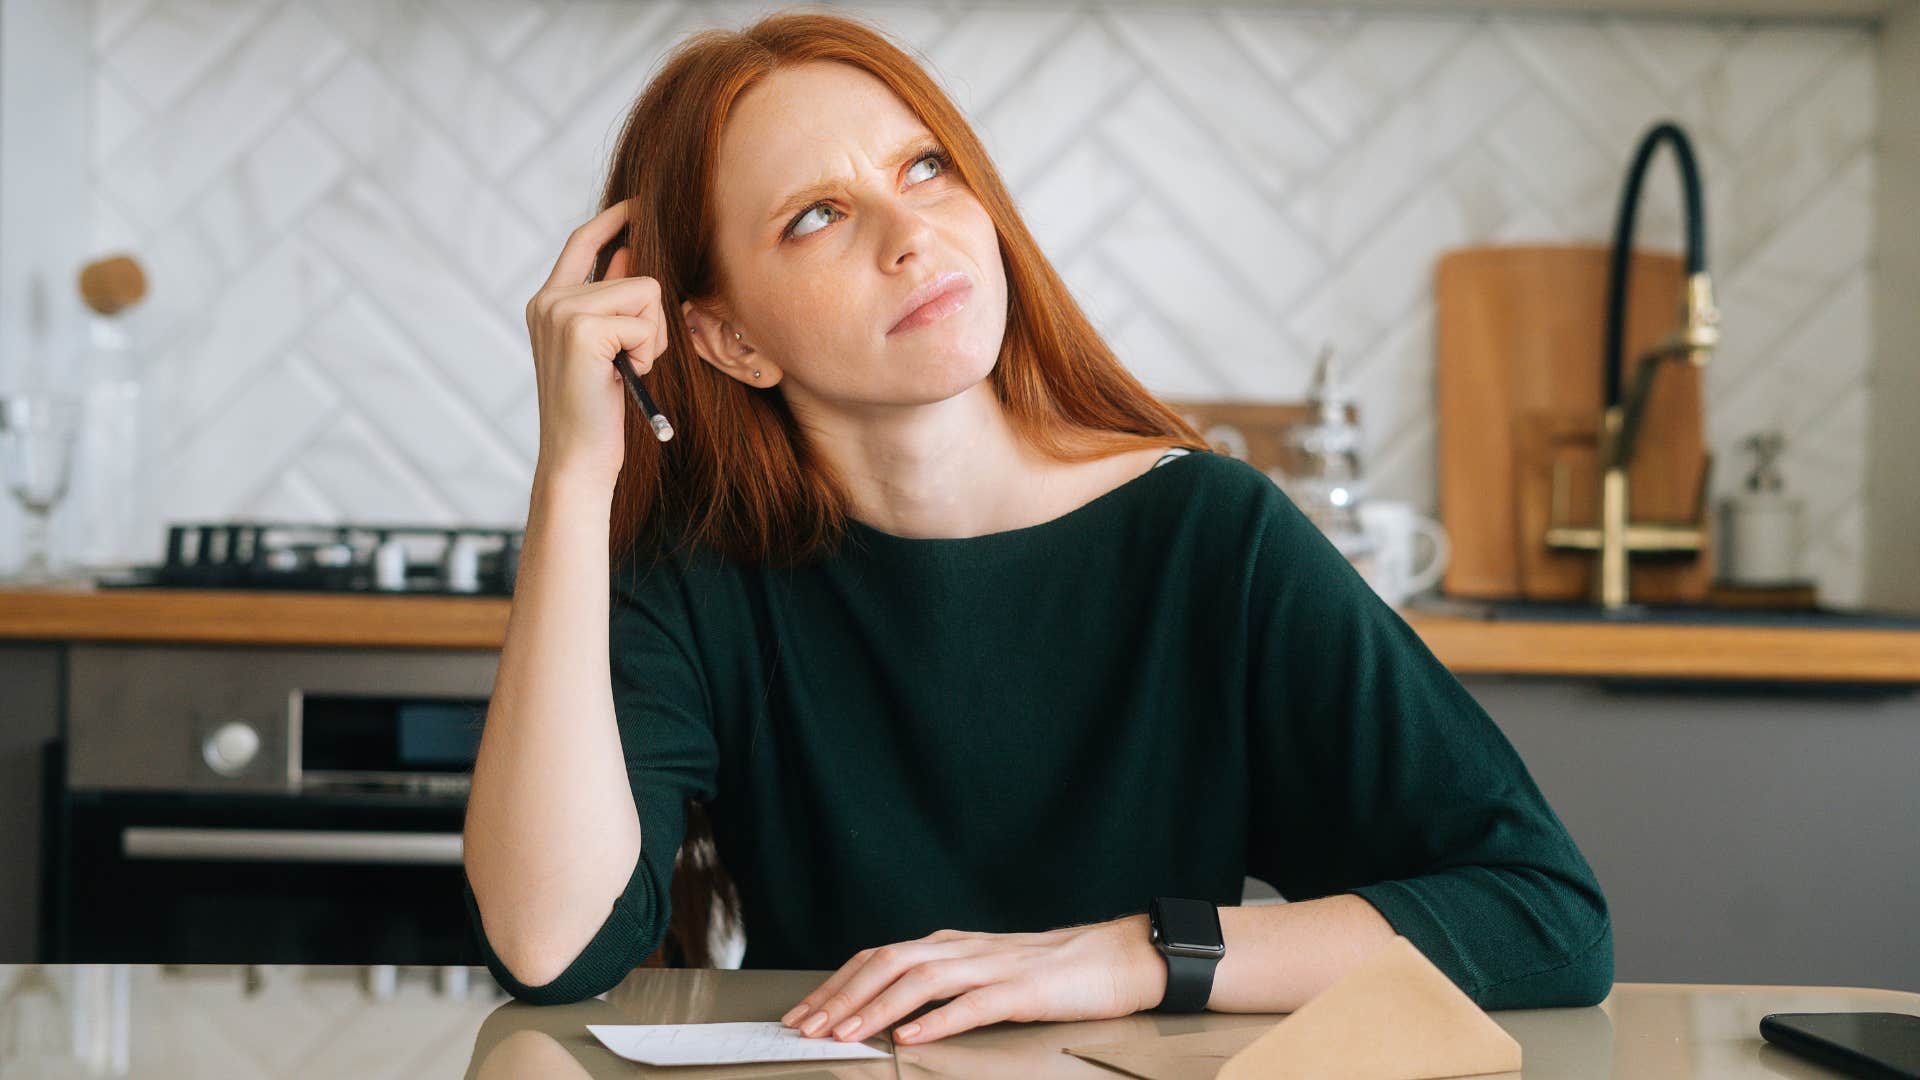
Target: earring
[
  {"x": 736, "y": 335},
  {"x": 756, "y": 374}
]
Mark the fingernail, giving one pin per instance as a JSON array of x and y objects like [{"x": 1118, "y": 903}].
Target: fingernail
[
  {"x": 794, "y": 1014},
  {"x": 814, "y": 1024},
  {"x": 906, "y": 1032},
  {"x": 847, "y": 1027}
]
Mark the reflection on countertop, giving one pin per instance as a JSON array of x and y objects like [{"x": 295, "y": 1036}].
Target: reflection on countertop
[
  {"x": 173, "y": 1022},
  {"x": 177, "y": 1022}
]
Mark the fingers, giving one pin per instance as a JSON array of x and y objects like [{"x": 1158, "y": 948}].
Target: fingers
[
  {"x": 621, "y": 265},
  {"x": 584, "y": 243},
  {"x": 829, "y": 1003},
  {"x": 932, "y": 980},
  {"x": 860, "y": 979},
  {"x": 601, "y": 313},
  {"x": 604, "y": 335},
  {"x": 801, "y": 1013},
  {"x": 622, "y": 296},
  {"x": 989, "y": 1004}
]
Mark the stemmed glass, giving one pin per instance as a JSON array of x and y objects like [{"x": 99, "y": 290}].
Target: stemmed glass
[{"x": 38, "y": 430}]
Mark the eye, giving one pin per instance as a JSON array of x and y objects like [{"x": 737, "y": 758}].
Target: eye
[{"x": 938, "y": 156}]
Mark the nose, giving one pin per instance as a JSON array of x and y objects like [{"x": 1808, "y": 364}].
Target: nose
[{"x": 907, "y": 232}]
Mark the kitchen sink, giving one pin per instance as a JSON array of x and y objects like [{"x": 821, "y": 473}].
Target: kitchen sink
[{"x": 1554, "y": 611}]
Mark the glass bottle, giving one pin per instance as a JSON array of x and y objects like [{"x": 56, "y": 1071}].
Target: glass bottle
[
  {"x": 1327, "y": 481},
  {"x": 109, "y": 496}
]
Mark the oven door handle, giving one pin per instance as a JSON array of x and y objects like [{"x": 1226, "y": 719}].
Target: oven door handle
[{"x": 290, "y": 845}]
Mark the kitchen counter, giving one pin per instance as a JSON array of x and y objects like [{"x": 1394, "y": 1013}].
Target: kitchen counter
[
  {"x": 253, "y": 617},
  {"x": 1468, "y": 645},
  {"x": 167, "y": 1023}
]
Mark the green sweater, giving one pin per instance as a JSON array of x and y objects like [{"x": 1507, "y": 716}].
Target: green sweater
[{"x": 1172, "y": 687}]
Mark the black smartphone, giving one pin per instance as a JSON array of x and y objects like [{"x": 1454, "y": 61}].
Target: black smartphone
[{"x": 1875, "y": 1045}]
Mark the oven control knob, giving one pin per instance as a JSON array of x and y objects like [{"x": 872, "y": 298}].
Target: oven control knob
[{"x": 231, "y": 747}]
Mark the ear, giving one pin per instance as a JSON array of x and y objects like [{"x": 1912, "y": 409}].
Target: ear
[{"x": 713, "y": 339}]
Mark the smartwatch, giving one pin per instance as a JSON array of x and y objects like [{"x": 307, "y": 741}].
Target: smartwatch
[{"x": 1187, "y": 933}]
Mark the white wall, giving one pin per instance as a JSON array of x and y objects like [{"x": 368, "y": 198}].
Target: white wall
[
  {"x": 345, "y": 205},
  {"x": 45, "y": 204},
  {"x": 1893, "y": 491}
]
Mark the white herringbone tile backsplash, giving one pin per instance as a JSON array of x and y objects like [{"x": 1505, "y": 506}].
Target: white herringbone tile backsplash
[{"x": 344, "y": 205}]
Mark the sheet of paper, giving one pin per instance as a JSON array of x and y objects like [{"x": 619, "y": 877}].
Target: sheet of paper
[{"x": 723, "y": 1044}]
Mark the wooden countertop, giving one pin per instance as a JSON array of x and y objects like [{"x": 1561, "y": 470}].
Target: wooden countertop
[
  {"x": 1467, "y": 646},
  {"x": 254, "y": 617}
]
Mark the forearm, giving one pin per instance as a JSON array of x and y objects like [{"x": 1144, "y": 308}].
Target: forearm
[
  {"x": 1559, "y": 952},
  {"x": 1278, "y": 955},
  {"x": 1281, "y": 955},
  {"x": 550, "y": 755}
]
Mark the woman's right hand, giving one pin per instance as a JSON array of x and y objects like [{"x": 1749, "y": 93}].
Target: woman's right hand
[{"x": 576, "y": 328}]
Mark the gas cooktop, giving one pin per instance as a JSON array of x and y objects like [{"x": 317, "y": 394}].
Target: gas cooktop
[{"x": 412, "y": 559}]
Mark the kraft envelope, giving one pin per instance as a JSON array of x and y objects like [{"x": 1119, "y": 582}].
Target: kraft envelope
[{"x": 1395, "y": 1017}]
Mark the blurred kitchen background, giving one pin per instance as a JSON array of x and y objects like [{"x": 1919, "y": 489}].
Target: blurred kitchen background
[
  {"x": 342, "y": 208},
  {"x": 339, "y": 208}
]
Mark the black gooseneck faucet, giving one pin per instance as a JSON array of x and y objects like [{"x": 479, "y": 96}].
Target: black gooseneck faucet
[
  {"x": 1615, "y": 536},
  {"x": 1623, "y": 229}
]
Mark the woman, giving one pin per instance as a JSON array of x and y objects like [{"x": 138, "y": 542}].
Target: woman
[{"x": 967, "y": 661}]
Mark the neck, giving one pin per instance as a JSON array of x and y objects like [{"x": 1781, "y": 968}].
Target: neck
[{"x": 949, "y": 469}]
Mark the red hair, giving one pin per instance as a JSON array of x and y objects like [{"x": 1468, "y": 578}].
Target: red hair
[{"x": 738, "y": 476}]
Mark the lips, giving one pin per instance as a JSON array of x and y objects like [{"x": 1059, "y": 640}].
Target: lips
[{"x": 939, "y": 289}]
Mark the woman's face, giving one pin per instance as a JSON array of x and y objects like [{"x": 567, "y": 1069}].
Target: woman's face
[{"x": 816, "y": 280}]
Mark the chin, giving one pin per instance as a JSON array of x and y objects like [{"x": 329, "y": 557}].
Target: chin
[
  {"x": 949, "y": 374},
  {"x": 969, "y": 360}
]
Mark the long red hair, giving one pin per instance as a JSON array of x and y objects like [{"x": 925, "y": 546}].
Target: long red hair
[{"x": 738, "y": 476}]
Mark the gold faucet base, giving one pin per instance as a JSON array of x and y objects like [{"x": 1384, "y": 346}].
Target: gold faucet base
[{"x": 1616, "y": 537}]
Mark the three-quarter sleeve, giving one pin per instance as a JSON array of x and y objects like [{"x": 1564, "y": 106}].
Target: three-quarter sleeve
[
  {"x": 661, "y": 703},
  {"x": 1375, "y": 772}
]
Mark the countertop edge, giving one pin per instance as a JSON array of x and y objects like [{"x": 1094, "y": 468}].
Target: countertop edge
[{"x": 1467, "y": 646}]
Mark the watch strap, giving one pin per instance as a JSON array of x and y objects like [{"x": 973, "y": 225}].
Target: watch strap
[{"x": 1189, "y": 983}]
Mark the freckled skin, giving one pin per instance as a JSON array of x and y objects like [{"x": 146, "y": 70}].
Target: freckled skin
[{"x": 815, "y": 307}]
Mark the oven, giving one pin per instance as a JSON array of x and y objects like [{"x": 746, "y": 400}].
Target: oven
[{"x": 263, "y": 805}]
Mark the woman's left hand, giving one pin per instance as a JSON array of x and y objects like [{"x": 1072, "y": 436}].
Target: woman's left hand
[{"x": 1090, "y": 972}]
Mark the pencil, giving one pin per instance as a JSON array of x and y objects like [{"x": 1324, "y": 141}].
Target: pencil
[{"x": 661, "y": 429}]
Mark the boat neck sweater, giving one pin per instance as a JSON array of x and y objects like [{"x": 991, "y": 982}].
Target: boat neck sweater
[{"x": 1170, "y": 688}]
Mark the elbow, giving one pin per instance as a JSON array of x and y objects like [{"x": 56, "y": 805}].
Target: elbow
[
  {"x": 1582, "y": 978},
  {"x": 1591, "y": 978},
  {"x": 535, "y": 967},
  {"x": 531, "y": 970},
  {"x": 541, "y": 972},
  {"x": 1591, "y": 967},
  {"x": 556, "y": 991},
  {"x": 1586, "y": 975}
]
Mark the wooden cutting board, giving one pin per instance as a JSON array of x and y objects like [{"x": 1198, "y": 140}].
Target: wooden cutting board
[{"x": 1519, "y": 333}]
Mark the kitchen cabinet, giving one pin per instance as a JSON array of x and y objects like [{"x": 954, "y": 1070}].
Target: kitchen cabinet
[
  {"x": 1756, "y": 835},
  {"x": 29, "y": 721}
]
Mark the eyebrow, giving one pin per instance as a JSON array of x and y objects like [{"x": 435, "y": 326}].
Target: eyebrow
[{"x": 828, "y": 185}]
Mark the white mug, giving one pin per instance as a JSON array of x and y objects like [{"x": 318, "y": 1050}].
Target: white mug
[{"x": 1393, "y": 527}]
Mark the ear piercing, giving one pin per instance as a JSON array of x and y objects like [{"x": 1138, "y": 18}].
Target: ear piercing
[{"x": 736, "y": 337}]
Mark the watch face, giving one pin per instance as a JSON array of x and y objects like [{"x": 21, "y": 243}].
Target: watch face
[{"x": 1188, "y": 925}]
